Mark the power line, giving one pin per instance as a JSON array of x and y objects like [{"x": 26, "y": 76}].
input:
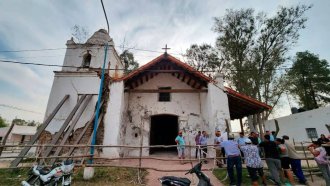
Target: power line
[
  {"x": 17, "y": 108},
  {"x": 69, "y": 66},
  {"x": 52, "y": 49},
  {"x": 106, "y": 17}
]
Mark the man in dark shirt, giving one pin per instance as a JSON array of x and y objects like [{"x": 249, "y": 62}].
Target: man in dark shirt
[
  {"x": 272, "y": 158},
  {"x": 254, "y": 139}
]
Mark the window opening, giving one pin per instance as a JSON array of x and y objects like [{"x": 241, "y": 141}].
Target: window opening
[
  {"x": 87, "y": 60},
  {"x": 164, "y": 96},
  {"x": 311, "y": 133}
]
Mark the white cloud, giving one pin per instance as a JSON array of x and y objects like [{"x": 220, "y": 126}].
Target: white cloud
[{"x": 36, "y": 24}]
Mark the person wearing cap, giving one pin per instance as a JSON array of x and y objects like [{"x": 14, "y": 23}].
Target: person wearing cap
[
  {"x": 233, "y": 159},
  {"x": 320, "y": 154},
  {"x": 253, "y": 161},
  {"x": 295, "y": 160},
  {"x": 180, "y": 146}
]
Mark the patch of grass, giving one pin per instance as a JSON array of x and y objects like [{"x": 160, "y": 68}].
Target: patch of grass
[
  {"x": 221, "y": 174},
  {"x": 109, "y": 176},
  {"x": 102, "y": 176},
  {"x": 12, "y": 177}
]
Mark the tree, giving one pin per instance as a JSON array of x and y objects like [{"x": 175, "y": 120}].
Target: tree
[
  {"x": 204, "y": 58},
  {"x": 3, "y": 122},
  {"x": 80, "y": 33},
  {"x": 309, "y": 80},
  {"x": 254, "y": 46},
  {"x": 18, "y": 121},
  {"x": 129, "y": 61}
]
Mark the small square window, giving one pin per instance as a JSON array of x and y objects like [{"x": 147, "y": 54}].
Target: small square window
[
  {"x": 164, "y": 96},
  {"x": 311, "y": 132}
]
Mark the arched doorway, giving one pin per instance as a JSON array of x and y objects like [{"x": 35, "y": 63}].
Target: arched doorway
[{"x": 163, "y": 131}]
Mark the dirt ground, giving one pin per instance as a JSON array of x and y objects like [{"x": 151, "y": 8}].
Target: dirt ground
[{"x": 153, "y": 175}]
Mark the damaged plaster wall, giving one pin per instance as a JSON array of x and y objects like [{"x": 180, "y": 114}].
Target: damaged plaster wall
[
  {"x": 74, "y": 84},
  {"x": 215, "y": 110},
  {"x": 143, "y": 105},
  {"x": 113, "y": 119}
]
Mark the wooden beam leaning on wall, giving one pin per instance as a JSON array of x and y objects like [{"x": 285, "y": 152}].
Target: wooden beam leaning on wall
[
  {"x": 40, "y": 130},
  {"x": 83, "y": 132},
  {"x": 65, "y": 124},
  {"x": 72, "y": 125}
]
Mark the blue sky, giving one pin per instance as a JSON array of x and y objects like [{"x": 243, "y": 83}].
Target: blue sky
[{"x": 35, "y": 24}]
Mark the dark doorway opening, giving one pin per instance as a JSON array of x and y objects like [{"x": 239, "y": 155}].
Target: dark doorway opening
[{"x": 163, "y": 131}]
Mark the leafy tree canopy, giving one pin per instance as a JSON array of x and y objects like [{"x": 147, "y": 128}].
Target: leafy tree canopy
[
  {"x": 129, "y": 61},
  {"x": 309, "y": 80},
  {"x": 3, "y": 122},
  {"x": 204, "y": 58},
  {"x": 254, "y": 46}
]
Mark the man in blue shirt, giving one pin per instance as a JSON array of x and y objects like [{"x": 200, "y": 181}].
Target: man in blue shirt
[
  {"x": 180, "y": 145},
  {"x": 241, "y": 142},
  {"x": 233, "y": 159},
  {"x": 203, "y": 142}
]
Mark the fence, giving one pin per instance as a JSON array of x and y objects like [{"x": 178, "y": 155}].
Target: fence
[{"x": 310, "y": 169}]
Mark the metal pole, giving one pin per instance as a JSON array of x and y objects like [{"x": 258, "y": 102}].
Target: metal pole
[{"x": 98, "y": 105}]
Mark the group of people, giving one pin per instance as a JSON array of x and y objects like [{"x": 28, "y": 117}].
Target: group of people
[{"x": 280, "y": 155}]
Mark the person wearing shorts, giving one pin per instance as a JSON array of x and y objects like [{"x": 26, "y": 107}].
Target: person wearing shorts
[
  {"x": 285, "y": 159},
  {"x": 253, "y": 162},
  {"x": 180, "y": 146}
]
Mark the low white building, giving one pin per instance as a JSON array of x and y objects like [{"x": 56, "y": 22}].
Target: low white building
[
  {"x": 303, "y": 126},
  {"x": 19, "y": 134}
]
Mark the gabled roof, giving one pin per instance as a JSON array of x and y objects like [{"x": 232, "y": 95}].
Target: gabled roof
[
  {"x": 170, "y": 59},
  {"x": 240, "y": 105},
  {"x": 166, "y": 63}
]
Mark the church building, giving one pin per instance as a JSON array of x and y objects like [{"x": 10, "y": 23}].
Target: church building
[{"x": 145, "y": 107}]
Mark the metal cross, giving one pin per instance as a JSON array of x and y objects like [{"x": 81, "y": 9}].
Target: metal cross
[{"x": 166, "y": 49}]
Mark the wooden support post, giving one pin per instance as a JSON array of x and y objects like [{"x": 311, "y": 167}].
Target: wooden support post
[
  {"x": 241, "y": 123},
  {"x": 90, "y": 139},
  {"x": 65, "y": 124},
  {"x": 37, "y": 135},
  {"x": 6, "y": 136},
  {"x": 227, "y": 128},
  {"x": 83, "y": 132},
  {"x": 309, "y": 169},
  {"x": 73, "y": 124},
  {"x": 260, "y": 125}
]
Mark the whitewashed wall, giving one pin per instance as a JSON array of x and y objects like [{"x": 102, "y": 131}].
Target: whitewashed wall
[
  {"x": 295, "y": 125},
  {"x": 72, "y": 83},
  {"x": 113, "y": 119},
  {"x": 74, "y": 57},
  {"x": 195, "y": 111}
]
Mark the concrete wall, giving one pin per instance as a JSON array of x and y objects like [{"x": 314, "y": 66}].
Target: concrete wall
[
  {"x": 74, "y": 84},
  {"x": 295, "y": 125}
]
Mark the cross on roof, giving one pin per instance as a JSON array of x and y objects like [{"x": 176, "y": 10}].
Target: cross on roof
[{"x": 166, "y": 49}]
